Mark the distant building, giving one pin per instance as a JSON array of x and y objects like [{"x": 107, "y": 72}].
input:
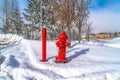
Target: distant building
[{"x": 103, "y": 36}]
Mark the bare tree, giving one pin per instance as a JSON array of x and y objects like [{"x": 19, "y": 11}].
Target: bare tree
[
  {"x": 69, "y": 12},
  {"x": 7, "y": 8},
  {"x": 89, "y": 30},
  {"x": 64, "y": 11},
  {"x": 82, "y": 16},
  {"x": 5, "y": 12}
]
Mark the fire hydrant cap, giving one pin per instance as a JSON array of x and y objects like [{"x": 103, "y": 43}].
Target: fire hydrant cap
[{"x": 63, "y": 36}]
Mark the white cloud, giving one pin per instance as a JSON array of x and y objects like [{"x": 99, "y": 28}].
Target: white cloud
[{"x": 106, "y": 20}]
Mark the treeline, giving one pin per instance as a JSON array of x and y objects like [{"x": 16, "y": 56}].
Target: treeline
[{"x": 70, "y": 16}]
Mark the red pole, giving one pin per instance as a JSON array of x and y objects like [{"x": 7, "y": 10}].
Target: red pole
[{"x": 43, "y": 44}]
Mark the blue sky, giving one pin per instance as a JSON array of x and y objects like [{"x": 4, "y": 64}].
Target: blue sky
[
  {"x": 23, "y": 4},
  {"x": 99, "y": 4},
  {"x": 104, "y": 14}
]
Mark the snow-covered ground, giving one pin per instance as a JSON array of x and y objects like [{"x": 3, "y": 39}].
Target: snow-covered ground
[
  {"x": 94, "y": 60},
  {"x": 8, "y": 39},
  {"x": 111, "y": 43}
]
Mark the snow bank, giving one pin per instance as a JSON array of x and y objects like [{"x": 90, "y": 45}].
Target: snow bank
[
  {"x": 113, "y": 43},
  {"x": 110, "y": 43},
  {"x": 9, "y": 38},
  {"x": 94, "y": 42}
]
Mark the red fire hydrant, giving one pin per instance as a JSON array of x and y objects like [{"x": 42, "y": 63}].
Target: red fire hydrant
[{"x": 61, "y": 44}]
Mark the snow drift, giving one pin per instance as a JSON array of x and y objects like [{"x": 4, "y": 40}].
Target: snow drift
[
  {"x": 9, "y": 38},
  {"x": 111, "y": 43}
]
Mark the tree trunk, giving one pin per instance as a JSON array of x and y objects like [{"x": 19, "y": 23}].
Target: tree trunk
[
  {"x": 51, "y": 36},
  {"x": 88, "y": 38},
  {"x": 69, "y": 34},
  {"x": 61, "y": 29},
  {"x": 79, "y": 35},
  {"x": 79, "y": 28}
]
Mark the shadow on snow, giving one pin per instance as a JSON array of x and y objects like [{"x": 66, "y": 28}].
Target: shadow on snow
[{"x": 78, "y": 53}]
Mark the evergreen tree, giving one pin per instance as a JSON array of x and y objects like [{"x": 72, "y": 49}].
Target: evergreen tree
[
  {"x": 38, "y": 14},
  {"x": 46, "y": 16},
  {"x": 16, "y": 22},
  {"x": 115, "y": 34},
  {"x": 33, "y": 12},
  {"x": 48, "y": 19},
  {"x": 32, "y": 15}
]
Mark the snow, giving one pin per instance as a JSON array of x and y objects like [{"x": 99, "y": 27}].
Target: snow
[
  {"x": 114, "y": 43},
  {"x": 7, "y": 40},
  {"x": 9, "y": 37},
  {"x": 94, "y": 60},
  {"x": 111, "y": 43}
]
